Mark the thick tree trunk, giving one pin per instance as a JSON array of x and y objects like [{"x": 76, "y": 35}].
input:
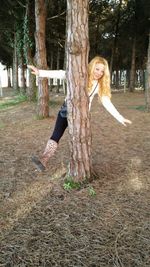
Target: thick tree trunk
[
  {"x": 147, "y": 89},
  {"x": 43, "y": 94},
  {"x": 77, "y": 99}
]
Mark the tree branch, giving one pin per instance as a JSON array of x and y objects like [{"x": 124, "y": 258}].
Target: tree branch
[{"x": 56, "y": 16}]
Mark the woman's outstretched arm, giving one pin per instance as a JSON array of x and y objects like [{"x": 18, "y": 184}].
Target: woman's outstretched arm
[
  {"x": 113, "y": 111},
  {"x": 58, "y": 74}
]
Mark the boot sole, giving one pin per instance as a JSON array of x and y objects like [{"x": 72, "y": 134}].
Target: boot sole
[{"x": 38, "y": 164}]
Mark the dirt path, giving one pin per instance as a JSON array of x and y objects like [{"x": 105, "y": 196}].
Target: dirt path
[{"x": 44, "y": 225}]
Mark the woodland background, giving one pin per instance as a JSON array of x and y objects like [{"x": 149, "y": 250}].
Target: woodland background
[
  {"x": 118, "y": 30},
  {"x": 45, "y": 221}
]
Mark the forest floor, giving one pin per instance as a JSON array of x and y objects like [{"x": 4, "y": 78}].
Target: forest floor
[{"x": 106, "y": 222}]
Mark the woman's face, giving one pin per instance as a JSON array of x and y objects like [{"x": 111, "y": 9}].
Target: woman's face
[{"x": 98, "y": 71}]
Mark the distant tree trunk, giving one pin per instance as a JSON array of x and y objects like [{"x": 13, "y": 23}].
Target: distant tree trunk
[
  {"x": 15, "y": 65},
  {"x": 51, "y": 67},
  {"x": 58, "y": 64},
  {"x": 77, "y": 99},
  {"x": 31, "y": 89},
  {"x": 128, "y": 78},
  {"x": 23, "y": 80},
  {"x": 29, "y": 17},
  {"x": 144, "y": 82},
  {"x": 9, "y": 76},
  {"x": 132, "y": 73},
  {"x": 147, "y": 89},
  {"x": 117, "y": 79},
  {"x": 114, "y": 46},
  {"x": 1, "y": 89},
  {"x": 43, "y": 94},
  {"x": 97, "y": 34}
]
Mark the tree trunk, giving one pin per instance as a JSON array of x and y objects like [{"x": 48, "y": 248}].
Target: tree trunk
[
  {"x": 117, "y": 78},
  {"x": 43, "y": 94},
  {"x": 114, "y": 47},
  {"x": 77, "y": 99},
  {"x": 58, "y": 64},
  {"x": 132, "y": 73},
  {"x": 29, "y": 16},
  {"x": 15, "y": 65},
  {"x": 147, "y": 89},
  {"x": 23, "y": 80},
  {"x": 9, "y": 77},
  {"x": 1, "y": 89}
]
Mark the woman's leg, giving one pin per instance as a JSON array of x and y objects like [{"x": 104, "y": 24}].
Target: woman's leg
[{"x": 60, "y": 126}]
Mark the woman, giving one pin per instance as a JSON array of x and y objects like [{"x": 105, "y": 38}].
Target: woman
[{"x": 98, "y": 83}]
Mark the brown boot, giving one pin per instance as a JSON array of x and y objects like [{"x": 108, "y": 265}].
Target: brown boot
[{"x": 48, "y": 153}]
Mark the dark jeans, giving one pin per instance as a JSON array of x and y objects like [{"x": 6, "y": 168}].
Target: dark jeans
[{"x": 60, "y": 126}]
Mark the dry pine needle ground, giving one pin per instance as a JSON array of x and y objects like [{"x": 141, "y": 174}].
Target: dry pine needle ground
[{"x": 44, "y": 225}]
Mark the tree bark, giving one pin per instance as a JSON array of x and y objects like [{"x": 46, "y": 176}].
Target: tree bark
[
  {"x": 15, "y": 66},
  {"x": 77, "y": 99},
  {"x": 9, "y": 77},
  {"x": 31, "y": 89},
  {"x": 58, "y": 64},
  {"x": 147, "y": 89},
  {"x": 132, "y": 74},
  {"x": 22, "y": 74},
  {"x": 43, "y": 94},
  {"x": 114, "y": 47}
]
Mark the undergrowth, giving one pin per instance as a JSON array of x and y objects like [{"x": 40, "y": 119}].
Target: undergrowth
[{"x": 14, "y": 101}]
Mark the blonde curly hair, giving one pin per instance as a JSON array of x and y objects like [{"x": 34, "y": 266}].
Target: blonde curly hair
[{"x": 104, "y": 81}]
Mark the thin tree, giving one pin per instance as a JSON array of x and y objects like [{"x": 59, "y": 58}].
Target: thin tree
[
  {"x": 147, "y": 89},
  {"x": 29, "y": 28},
  {"x": 15, "y": 64},
  {"x": 133, "y": 66},
  {"x": 43, "y": 94},
  {"x": 77, "y": 99},
  {"x": 116, "y": 34}
]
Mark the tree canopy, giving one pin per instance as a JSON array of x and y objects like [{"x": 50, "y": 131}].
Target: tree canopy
[{"x": 110, "y": 22}]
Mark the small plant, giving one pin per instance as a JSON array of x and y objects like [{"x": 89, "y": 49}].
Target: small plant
[
  {"x": 69, "y": 184},
  {"x": 141, "y": 108},
  {"x": 39, "y": 117},
  {"x": 91, "y": 191}
]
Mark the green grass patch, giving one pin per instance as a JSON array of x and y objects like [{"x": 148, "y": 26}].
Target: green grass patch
[
  {"x": 13, "y": 102},
  {"x": 91, "y": 191},
  {"x": 38, "y": 117},
  {"x": 2, "y": 125},
  {"x": 140, "y": 108},
  {"x": 69, "y": 184}
]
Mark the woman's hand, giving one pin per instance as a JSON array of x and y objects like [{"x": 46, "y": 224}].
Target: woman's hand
[
  {"x": 34, "y": 70},
  {"x": 125, "y": 122}
]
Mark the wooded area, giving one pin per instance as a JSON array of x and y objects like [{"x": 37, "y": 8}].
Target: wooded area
[
  {"x": 90, "y": 208},
  {"x": 118, "y": 30},
  {"x": 48, "y": 34}
]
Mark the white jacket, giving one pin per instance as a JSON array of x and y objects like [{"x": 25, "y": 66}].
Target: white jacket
[{"x": 106, "y": 102}]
